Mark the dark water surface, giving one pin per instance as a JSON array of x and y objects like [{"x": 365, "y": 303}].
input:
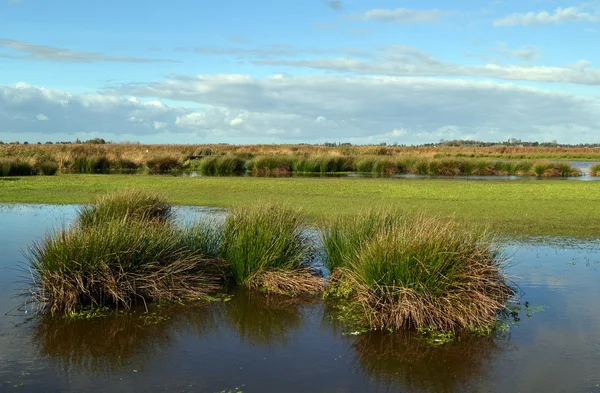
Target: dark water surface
[{"x": 262, "y": 344}]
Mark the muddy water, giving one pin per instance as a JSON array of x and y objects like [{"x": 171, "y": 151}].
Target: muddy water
[{"x": 261, "y": 344}]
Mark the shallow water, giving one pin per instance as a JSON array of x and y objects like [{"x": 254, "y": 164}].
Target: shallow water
[{"x": 262, "y": 344}]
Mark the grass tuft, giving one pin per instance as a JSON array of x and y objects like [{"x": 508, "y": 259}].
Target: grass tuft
[
  {"x": 125, "y": 205},
  {"x": 264, "y": 247},
  {"x": 118, "y": 264},
  {"x": 418, "y": 272}
]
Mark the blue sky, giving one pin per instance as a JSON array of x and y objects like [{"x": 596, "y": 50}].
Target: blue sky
[{"x": 312, "y": 71}]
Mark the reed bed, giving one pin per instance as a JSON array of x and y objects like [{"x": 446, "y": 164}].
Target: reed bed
[
  {"x": 417, "y": 272},
  {"x": 222, "y": 166},
  {"x": 264, "y": 248},
  {"x": 278, "y": 160},
  {"x": 595, "y": 170}
]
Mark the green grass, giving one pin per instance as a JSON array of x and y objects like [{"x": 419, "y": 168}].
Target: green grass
[
  {"x": 164, "y": 164},
  {"x": 222, "y": 165},
  {"x": 90, "y": 164},
  {"x": 423, "y": 272},
  {"x": 125, "y": 205},
  {"x": 517, "y": 208},
  {"x": 15, "y": 167},
  {"x": 263, "y": 247},
  {"x": 119, "y": 263}
]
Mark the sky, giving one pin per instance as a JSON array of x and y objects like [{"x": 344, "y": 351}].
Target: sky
[{"x": 311, "y": 71}]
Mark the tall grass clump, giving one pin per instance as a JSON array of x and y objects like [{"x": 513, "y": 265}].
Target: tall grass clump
[
  {"x": 422, "y": 272},
  {"x": 46, "y": 167},
  {"x": 163, "y": 164},
  {"x": 125, "y": 205},
  {"x": 595, "y": 170},
  {"x": 15, "y": 167},
  {"x": 222, "y": 165},
  {"x": 346, "y": 235},
  {"x": 323, "y": 164},
  {"x": 263, "y": 247},
  {"x": 90, "y": 164},
  {"x": 119, "y": 263},
  {"x": 270, "y": 165}
]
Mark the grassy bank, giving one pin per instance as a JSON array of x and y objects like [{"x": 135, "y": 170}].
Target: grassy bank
[{"x": 522, "y": 207}]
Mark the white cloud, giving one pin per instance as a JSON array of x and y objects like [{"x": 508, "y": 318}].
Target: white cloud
[
  {"x": 560, "y": 15},
  {"x": 42, "y": 117},
  {"x": 43, "y": 52},
  {"x": 402, "y": 15},
  {"x": 236, "y": 122},
  {"x": 303, "y": 109},
  {"x": 398, "y": 60},
  {"x": 366, "y": 107}
]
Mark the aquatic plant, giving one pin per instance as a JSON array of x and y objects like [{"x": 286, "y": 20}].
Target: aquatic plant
[
  {"x": 222, "y": 165},
  {"x": 163, "y": 164},
  {"x": 595, "y": 170},
  {"x": 270, "y": 165},
  {"x": 15, "y": 167},
  {"x": 264, "y": 248},
  {"x": 344, "y": 236},
  {"x": 415, "y": 272},
  {"x": 46, "y": 167},
  {"x": 90, "y": 164},
  {"x": 119, "y": 263},
  {"x": 125, "y": 205}
]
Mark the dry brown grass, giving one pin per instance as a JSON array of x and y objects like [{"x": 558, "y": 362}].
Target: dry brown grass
[{"x": 294, "y": 282}]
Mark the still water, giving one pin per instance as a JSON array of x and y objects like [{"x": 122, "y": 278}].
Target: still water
[{"x": 261, "y": 344}]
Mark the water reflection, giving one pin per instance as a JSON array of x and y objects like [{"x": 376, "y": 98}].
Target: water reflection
[
  {"x": 259, "y": 319},
  {"x": 106, "y": 344},
  {"x": 407, "y": 360}
]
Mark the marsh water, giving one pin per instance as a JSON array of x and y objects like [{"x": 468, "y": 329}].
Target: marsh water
[{"x": 252, "y": 343}]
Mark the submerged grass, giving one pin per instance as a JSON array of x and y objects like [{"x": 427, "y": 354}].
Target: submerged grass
[
  {"x": 418, "y": 272},
  {"x": 264, "y": 248}
]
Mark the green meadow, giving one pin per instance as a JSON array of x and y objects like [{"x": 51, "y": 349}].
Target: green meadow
[{"x": 522, "y": 208}]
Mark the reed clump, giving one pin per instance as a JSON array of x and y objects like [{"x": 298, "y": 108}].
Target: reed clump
[
  {"x": 125, "y": 205},
  {"x": 15, "y": 167},
  {"x": 123, "y": 250},
  {"x": 264, "y": 248},
  {"x": 118, "y": 264},
  {"x": 222, "y": 166},
  {"x": 595, "y": 170},
  {"x": 164, "y": 164},
  {"x": 418, "y": 272},
  {"x": 90, "y": 164},
  {"x": 270, "y": 165}
]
